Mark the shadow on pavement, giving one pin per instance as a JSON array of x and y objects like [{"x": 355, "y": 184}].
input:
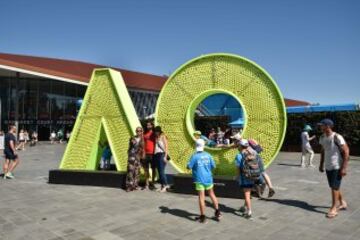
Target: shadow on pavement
[
  {"x": 223, "y": 208},
  {"x": 289, "y": 164},
  {"x": 179, "y": 213},
  {"x": 298, "y": 204}
]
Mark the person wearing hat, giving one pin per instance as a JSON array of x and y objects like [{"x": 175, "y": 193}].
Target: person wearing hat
[
  {"x": 306, "y": 147},
  {"x": 201, "y": 163},
  {"x": 335, "y": 157},
  {"x": 247, "y": 183},
  {"x": 210, "y": 143}
]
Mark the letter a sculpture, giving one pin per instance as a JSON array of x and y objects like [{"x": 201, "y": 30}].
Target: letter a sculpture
[{"x": 107, "y": 113}]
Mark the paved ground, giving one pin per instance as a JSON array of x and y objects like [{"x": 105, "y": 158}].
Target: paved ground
[{"x": 32, "y": 209}]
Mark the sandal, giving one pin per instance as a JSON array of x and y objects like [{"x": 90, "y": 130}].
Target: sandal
[
  {"x": 342, "y": 207},
  {"x": 331, "y": 214}
]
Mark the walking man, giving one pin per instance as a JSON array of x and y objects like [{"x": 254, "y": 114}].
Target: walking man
[
  {"x": 306, "y": 147},
  {"x": 335, "y": 157},
  {"x": 11, "y": 158}
]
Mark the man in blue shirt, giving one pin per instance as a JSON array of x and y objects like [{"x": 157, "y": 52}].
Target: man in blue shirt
[{"x": 201, "y": 163}]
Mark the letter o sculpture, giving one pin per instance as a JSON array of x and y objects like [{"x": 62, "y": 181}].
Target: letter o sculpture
[{"x": 261, "y": 100}]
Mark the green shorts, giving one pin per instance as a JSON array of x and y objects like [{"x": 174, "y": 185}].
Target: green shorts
[{"x": 203, "y": 187}]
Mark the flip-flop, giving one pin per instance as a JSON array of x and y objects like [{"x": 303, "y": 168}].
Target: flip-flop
[
  {"x": 331, "y": 214},
  {"x": 342, "y": 208}
]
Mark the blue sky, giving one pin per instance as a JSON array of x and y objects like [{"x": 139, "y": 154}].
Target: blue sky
[{"x": 310, "y": 47}]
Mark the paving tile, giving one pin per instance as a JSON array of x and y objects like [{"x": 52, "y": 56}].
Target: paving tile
[{"x": 33, "y": 209}]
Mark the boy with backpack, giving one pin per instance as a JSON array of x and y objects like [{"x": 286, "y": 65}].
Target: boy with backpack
[
  {"x": 201, "y": 163},
  {"x": 257, "y": 147},
  {"x": 249, "y": 173}
]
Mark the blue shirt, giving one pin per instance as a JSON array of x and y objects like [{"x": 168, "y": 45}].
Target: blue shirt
[
  {"x": 201, "y": 164},
  {"x": 208, "y": 142},
  {"x": 107, "y": 153}
]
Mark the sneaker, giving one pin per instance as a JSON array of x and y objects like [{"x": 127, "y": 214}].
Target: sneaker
[
  {"x": 247, "y": 214},
  {"x": 271, "y": 192},
  {"x": 311, "y": 166},
  {"x": 258, "y": 190},
  {"x": 152, "y": 187},
  {"x": 145, "y": 187},
  {"x": 10, "y": 175},
  {"x": 5, "y": 176},
  {"x": 242, "y": 209},
  {"x": 218, "y": 214},
  {"x": 202, "y": 219},
  {"x": 164, "y": 189}
]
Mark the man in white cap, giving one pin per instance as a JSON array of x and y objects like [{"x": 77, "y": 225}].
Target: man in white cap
[
  {"x": 201, "y": 163},
  {"x": 306, "y": 147}
]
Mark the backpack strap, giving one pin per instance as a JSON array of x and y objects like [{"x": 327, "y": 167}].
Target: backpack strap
[{"x": 337, "y": 143}]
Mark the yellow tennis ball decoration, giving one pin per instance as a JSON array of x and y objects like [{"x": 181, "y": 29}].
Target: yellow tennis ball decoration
[{"x": 262, "y": 102}]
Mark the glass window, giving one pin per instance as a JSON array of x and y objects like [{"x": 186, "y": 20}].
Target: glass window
[
  {"x": 44, "y": 100},
  {"x": 4, "y": 96}
]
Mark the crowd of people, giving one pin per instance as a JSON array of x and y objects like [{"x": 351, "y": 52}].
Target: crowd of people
[
  {"x": 59, "y": 136},
  {"x": 220, "y": 138},
  {"x": 26, "y": 138},
  {"x": 148, "y": 149}
]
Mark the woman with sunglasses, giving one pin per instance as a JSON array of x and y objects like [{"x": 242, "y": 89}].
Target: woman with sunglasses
[{"x": 135, "y": 154}]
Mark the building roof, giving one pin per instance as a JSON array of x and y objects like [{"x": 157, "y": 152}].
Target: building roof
[
  {"x": 81, "y": 71},
  {"x": 293, "y": 103}
]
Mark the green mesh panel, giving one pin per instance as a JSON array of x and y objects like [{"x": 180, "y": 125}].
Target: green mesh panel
[
  {"x": 107, "y": 113},
  {"x": 252, "y": 86}
]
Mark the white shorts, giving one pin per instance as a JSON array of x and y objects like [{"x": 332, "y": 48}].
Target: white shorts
[{"x": 307, "y": 149}]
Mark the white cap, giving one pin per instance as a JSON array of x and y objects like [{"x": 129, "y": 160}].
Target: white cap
[
  {"x": 244, "y": 143},
  {"x": 236, "y": 137},
  {"x": 200, "y": 144}
]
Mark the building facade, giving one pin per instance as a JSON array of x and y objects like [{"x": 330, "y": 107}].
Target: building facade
[{"x": 42, "y": 94}]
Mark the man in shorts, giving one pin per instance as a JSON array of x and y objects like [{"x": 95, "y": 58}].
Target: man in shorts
[
  {"x": 201, "y": 163},
  {"x": 11, "y": 158},
  {"x": 335, "y": 157}
]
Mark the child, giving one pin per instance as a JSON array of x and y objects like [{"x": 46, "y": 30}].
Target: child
[
  {"x": 249, "y": 173},
  {"x": 201, "y": 163},
  {"x": 105, "y": 157}
]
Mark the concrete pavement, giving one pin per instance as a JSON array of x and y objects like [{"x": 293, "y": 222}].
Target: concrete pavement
[{"x": 30, "y": 208}]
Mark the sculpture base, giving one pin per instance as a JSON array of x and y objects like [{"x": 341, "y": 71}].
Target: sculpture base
[
  {"x": 90, "y": 178},
  {"x": 224, "y": 186}
]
